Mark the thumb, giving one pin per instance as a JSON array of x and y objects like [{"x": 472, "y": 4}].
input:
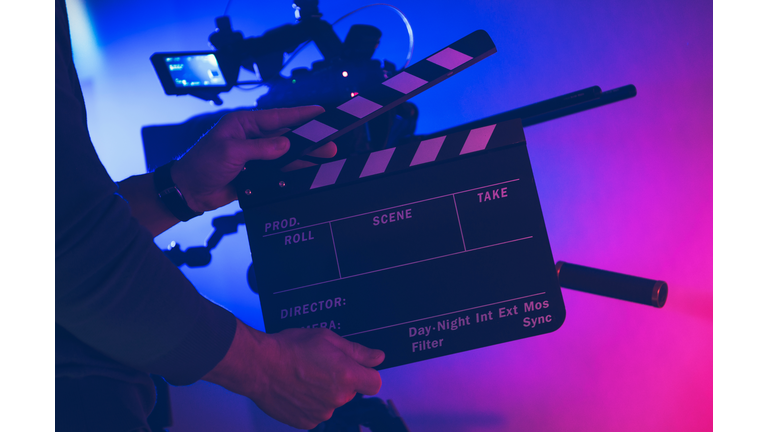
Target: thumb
[
  {"x": 263, "y": 148},
  {"x": 365, "y": 356}
]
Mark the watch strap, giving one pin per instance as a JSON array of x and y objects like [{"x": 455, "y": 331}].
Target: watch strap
[{"x": 170, "y": 194}]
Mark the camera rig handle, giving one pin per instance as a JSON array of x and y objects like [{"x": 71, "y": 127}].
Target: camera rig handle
[{"x": 266, "y": 51}]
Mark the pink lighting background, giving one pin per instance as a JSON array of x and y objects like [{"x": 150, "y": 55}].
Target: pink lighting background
[{"x": 626, "y": 187}]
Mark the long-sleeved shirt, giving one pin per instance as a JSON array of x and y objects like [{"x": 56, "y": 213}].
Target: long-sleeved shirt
[{"x": 123, "y": 310}]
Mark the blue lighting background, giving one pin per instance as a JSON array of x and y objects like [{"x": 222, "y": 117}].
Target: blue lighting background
[{"x": 627, "y": 188}]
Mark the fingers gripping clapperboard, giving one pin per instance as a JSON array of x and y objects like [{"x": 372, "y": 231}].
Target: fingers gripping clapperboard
[{"x": 420, "y": 250}]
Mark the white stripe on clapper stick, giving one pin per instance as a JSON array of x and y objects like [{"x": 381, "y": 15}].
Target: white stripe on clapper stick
[
  {"x": 377, "y": 162},
  {"x": 328, "y": 173},
  {"x": 314, "y": 130},
  {"x": 404, "y": 82},
  {"x": 477, "y": 139},
  {"x": 359, "y": 106},
  {"x": 427, "y": 151},
  {"x": 449, "y": 58}
]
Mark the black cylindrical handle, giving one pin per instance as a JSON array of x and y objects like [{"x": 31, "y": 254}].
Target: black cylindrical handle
[{"x": 609, "y": 284}]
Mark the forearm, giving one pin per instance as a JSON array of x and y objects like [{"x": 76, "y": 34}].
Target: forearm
[
  {"x": 241, "y": 370},
  {"x": 116, "y": 292},
  {"x": 146, "y": 207}
]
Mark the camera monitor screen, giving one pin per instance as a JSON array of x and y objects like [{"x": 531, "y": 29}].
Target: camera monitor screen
[
  {"x": 195, "y": 70},
  {"x": 185, "y": 72}
]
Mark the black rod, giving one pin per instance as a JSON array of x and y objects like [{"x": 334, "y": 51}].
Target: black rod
[
  {"x": 605, "y": 98},
  {"x": 555, "y": 104},
  {"x": 615, "y": 285},
  {"x": 549, "y": 109}
]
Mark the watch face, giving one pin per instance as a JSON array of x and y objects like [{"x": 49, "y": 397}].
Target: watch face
[
  {"x": 170, "y": 194},
  {"x": 171, "y": 191}
]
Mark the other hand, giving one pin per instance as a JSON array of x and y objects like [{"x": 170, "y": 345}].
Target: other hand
[{"x": 298, "y": 376}]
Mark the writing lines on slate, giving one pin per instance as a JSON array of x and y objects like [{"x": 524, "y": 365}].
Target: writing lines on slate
[
  {"x": 458, "y": 217},
  {"x": 401, "y": 265},
  {"x": 420, "y": 231},
  {"x": 445, "y": 314}
]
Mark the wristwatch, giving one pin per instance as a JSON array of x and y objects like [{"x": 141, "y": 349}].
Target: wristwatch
[{"x": 170, "y": 194}]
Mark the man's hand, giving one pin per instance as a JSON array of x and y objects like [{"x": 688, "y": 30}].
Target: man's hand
[
  {"x": 297, "y": 376},
  {"x": 205, "y": 172}
]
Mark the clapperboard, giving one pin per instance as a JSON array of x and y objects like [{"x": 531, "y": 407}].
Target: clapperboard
[{"x": 420, "y": 250}]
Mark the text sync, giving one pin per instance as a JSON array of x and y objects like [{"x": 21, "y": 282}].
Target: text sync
[{"x": 533, "y": 322}]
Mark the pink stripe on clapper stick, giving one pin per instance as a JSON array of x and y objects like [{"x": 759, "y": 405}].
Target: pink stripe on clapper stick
[
  {"x": 328, "y": 173},
  {"x": 377, "y": 162},
  {"x": 427, "y": 151},
  {"x": 477, "y": 139}
]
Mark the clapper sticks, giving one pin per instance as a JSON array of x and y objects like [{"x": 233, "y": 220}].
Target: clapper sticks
[{"x": 365, "y": 106}]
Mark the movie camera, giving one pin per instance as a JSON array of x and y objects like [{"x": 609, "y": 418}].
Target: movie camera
[{"x": 346, "y": 69}]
